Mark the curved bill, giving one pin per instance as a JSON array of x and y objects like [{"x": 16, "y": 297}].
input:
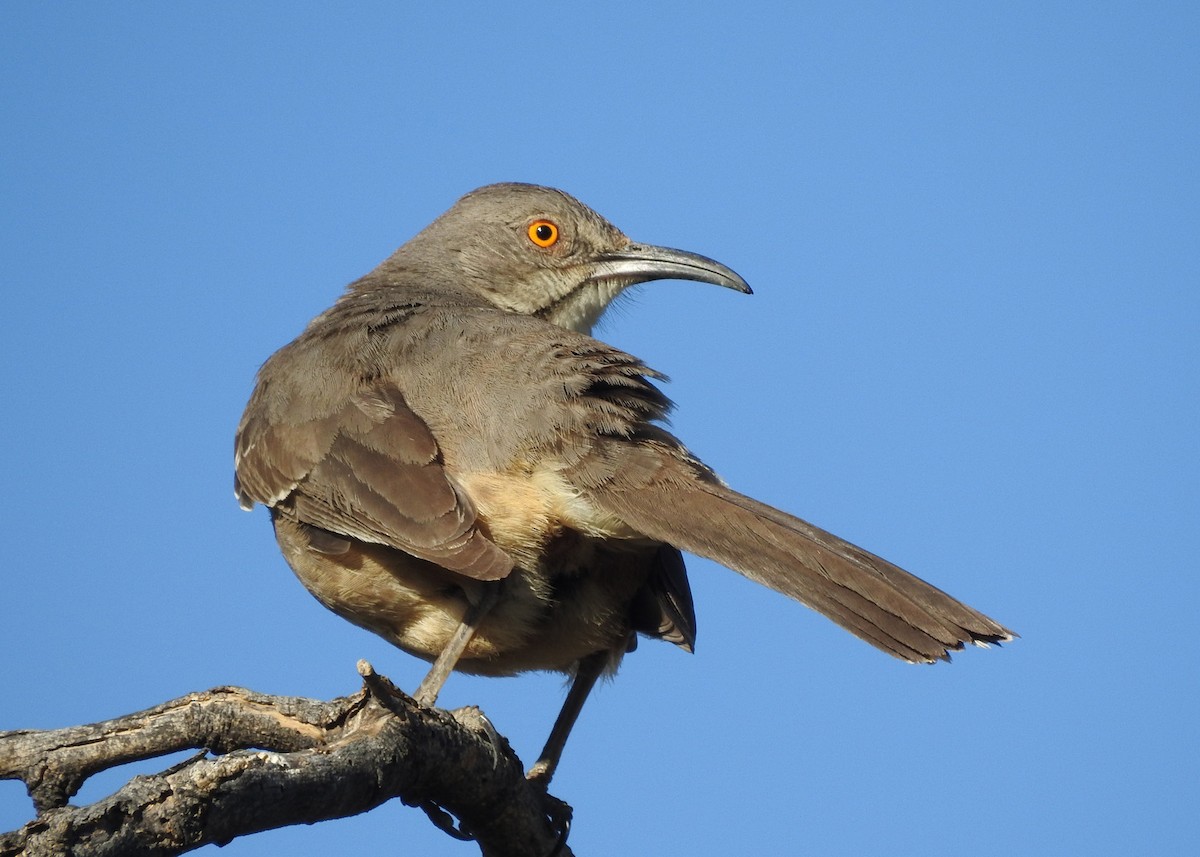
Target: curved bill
[{"x": 640, "y": 263}]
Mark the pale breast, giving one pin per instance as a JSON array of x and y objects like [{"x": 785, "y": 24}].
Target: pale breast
[{"x": 525, "y": 508}]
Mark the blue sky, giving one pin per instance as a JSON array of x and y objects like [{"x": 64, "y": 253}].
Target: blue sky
[{"x": 974, "y": 237}]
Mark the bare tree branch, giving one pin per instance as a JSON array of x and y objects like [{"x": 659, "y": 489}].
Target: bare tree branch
[{"x": 272, "y": 761}]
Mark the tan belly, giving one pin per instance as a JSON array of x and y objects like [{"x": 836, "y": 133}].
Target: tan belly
[{"x": 571, "y": 604}]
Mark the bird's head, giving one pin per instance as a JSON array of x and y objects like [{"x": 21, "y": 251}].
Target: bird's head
[{"x": 538, "y": 251}]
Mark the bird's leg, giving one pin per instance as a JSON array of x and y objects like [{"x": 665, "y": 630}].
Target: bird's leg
[
  {"x": 431, "y": 685},
  {"x": 586, "y": 674}
]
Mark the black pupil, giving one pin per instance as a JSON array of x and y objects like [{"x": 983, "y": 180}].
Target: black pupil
[{"x": 544, "y": 232}]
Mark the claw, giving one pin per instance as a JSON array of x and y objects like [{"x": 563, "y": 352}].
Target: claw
[
  {"x": 444, "y": 822},
  {"x": 560, "y": 814}
]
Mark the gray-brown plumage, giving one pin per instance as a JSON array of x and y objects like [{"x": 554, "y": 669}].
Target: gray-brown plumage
[{"x": 454, "y": 463}]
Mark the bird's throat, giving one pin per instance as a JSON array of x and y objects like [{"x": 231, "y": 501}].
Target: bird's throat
[{"x": 581, "y": 309}]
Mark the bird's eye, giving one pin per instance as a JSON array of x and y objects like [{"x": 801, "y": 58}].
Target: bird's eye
[{"x": 543, "y": 233}]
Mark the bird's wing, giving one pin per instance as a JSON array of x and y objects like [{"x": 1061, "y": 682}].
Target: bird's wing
[{"x": 367, "y": 468}]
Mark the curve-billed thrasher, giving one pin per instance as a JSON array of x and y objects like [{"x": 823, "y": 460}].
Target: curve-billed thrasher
[{"x": 453, "y": 462}]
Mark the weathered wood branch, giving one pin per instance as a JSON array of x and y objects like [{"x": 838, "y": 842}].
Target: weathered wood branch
[{"x": 271, "y": 761}]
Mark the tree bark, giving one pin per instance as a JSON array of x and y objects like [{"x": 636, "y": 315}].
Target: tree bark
[{"x": 271, "y": 761}]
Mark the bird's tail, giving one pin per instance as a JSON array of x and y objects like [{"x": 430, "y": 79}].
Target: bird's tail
[{"x": 868, "y": 596}]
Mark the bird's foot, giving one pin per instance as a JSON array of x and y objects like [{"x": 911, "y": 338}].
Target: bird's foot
[
  {"x": 445, "y": 822},
  {"x": 560, "y": 814},
  {"x": 472, "y": 717}
]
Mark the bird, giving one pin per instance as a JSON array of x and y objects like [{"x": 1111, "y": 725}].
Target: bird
[{"x": 452, "y": 461}]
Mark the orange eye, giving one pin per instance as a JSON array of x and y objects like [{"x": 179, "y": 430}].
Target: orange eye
[{"x": 543, "y": 233}]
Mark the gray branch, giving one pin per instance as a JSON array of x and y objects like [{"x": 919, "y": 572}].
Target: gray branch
[{"x": 271, "y": 761}]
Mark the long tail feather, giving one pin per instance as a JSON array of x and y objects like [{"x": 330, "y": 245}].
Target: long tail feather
[{"x": 870, "y": 597}]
